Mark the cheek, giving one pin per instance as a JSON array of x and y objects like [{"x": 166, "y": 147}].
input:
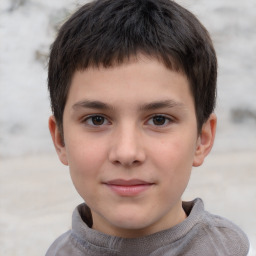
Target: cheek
[
  {"x": 85, "y": 153},
  {"x": 175, "y": 157},
  {"x": 85, "y": 162}
]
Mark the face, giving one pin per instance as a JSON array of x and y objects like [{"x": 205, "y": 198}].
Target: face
[{"x": 130, "y": 140}]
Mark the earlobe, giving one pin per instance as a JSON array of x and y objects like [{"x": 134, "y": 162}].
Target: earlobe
[
  {"x": 205, "y": 140},
  {"x": 57, "y": 140}
]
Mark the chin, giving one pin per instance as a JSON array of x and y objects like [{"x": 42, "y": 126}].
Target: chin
[{"x": 132, "y": 222}]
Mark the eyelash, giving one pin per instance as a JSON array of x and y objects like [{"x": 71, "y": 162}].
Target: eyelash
[
  {"x": 167, "y": 120},
  {"x": 89, "y": 120}
]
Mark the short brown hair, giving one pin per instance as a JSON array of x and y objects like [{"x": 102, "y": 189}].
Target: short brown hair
[{"x": 109, "y": 32}]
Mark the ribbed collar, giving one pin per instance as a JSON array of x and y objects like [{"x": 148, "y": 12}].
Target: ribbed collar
[{"x": 81, "y": 222}]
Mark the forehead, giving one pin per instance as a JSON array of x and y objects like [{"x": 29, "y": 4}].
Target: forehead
[{"x": 139, "y": 80}]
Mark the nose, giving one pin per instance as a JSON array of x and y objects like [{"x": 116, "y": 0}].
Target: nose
[{"x": 127, "y": 147}]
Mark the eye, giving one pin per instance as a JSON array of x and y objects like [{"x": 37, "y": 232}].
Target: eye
[
  {"x": 96, "y": 120},
  {"x": 159, "y": 120}
]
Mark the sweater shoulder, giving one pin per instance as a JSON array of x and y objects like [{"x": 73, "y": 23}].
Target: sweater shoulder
[
  {"x": 60, "y": 245},
  {"x": 225, "y": 234}
]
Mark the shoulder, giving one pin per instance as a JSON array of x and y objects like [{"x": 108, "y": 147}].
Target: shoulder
[
  {"x": 57, "y": 244},
  {"x": 65, "y": 245},
  {"x": 223, "y": 235},
  {"x": 70, "y": 242},
  {"x": 224, "y": 227}
]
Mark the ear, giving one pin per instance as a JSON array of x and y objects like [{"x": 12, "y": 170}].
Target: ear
[
  {"x": 58, "y": 140},
  {"x": 205, "y": 140}
]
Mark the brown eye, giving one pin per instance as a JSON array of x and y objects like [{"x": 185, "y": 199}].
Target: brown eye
[
  {"x": 159, "y": 120},
  {"x": 98, "y": 120}
]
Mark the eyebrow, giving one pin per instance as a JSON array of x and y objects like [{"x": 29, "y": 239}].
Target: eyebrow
[
  {"x": 161, "y": 104},
  {"x": 94, "y": 104}
]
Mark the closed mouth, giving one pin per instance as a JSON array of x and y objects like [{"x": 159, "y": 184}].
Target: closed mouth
[
  {"x": 133, "y": 182},
  {"x": 128, "y": 188}
]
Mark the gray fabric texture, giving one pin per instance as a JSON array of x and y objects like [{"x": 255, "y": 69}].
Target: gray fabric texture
[{"x": 201, "y": 233}]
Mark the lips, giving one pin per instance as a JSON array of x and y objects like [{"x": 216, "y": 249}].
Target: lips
[{"x": 128, "y": 188}]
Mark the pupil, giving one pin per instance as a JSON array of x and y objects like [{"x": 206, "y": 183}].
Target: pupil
[
  {"x": 98, "y": 120},
  {"x": 159, "y": 120}
]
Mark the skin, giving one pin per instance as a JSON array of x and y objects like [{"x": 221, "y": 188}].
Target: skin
[{"x": 132, "y": 121}]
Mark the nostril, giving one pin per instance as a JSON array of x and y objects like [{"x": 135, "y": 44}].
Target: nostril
[
  {"x": 127, "y": 163},
  {"x": 116, "y": 162},
  {"x": 136, "y": 162}
]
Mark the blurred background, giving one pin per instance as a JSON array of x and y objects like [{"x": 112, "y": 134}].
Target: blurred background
[{"x": 36, "y": 194}]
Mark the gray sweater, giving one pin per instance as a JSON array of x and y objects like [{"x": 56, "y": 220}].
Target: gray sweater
[{"x": 201, "y": 233}]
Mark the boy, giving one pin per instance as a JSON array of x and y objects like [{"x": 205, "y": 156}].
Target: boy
[{"x": 133, "y": 86}]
